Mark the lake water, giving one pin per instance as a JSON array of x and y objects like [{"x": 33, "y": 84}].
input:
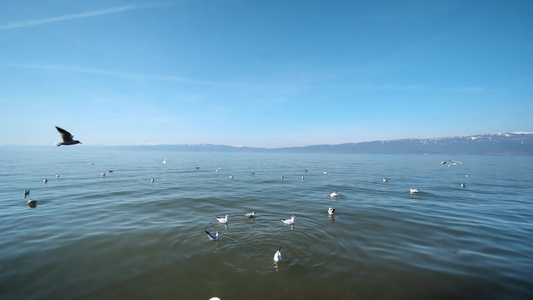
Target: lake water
[{"x": 123, "y": 237}]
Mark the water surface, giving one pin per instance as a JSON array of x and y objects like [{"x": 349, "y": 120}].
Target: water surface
[{"x": 121, "y": 236}]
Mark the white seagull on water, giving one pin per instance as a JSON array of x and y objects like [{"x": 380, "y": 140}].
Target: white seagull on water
[
  {"x": 223, "y": 220},
  {"x": 250, "y": 215},
  {"x": 32, "y": 203},
  {"x": 414, "y": 191},
  {"x": 67, "y": 138},
  {"x": 333, "y": 194},
  {"x": 289, "y": 221},
  {"x": 277, "y": 255},
  {"x": 213, "y": 237},
  {"x": 331, "y": 210},
  {"x": 164, "y": 161}
]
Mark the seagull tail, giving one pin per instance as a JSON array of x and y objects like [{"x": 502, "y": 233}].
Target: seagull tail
[{"x": 57, "y": 144}]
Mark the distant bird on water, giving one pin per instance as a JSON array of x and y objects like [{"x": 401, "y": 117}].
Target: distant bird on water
[
  {"x": 67, "y": 138},
  {"x": 223, "y": 220},
  {"x": 26, "y": 193},
  {"x": 289, "y": 221},
  {"x": 277, "y": 255},
  {"x": 250, "y": 215},
  {"x": 213, "y": 237},
  {"x": 414, "y": 191},
  {"x": 333, "y": 194},
  {"x": 32, "y": 203},
  {"x": 164, "y": 161},
  {"x": 331, "y": 210}
]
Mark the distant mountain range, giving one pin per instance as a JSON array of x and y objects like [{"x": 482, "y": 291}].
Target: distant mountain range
[{"x": 516, "y": 143}]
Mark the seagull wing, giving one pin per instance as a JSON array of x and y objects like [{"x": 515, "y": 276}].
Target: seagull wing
[{"x": 65, "y": 135}]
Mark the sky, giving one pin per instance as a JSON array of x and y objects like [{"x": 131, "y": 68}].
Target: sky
[{"x": 263, "y": 73}]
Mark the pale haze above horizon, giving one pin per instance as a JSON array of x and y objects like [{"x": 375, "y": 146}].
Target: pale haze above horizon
[{"x": 263, "y": 73}]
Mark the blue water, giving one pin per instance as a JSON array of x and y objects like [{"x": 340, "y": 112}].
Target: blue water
[{"x": 121, "y": 236}]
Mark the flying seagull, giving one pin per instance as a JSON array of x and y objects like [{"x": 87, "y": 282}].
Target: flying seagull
[
  {"x": 451, "y": 163},
  {"x": 66, "y": 137}
]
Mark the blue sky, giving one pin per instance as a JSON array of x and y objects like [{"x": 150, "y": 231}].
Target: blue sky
[{"x": 263, "y": 73}]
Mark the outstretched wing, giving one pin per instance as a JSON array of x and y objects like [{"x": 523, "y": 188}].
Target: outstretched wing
[{"x": 65, "y": 135}]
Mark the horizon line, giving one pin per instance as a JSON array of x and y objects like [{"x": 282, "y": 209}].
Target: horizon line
[{"x": 282, "y": 147}]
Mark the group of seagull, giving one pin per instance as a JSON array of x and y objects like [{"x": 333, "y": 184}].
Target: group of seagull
[
  {"x": 68, "y": 139},
  {"x": 224, "y": 220}
]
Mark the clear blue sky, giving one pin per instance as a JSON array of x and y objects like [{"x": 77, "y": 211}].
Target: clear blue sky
[{"x": 263, "y": 73}]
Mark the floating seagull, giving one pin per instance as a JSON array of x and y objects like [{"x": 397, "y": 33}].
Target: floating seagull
[
  {"x": 102, "y": 174},
  {"x": 218, "y": 170},
  {"x": 277, "y": 255},
  {"x": 45, "y": 180},
  {"x": 414, "y": 191},
  {"x": 152, "y": 180},
  {"x": 213, "y": 237},
  {"x": 331, "y": 210},
  {"x": 325, "y": 173},
  {"x": 289, "y": 221},
  {"x": 109, "y": 171},
  {"x": 333, "y": 194},
  {"x": 250, "y": 215},
  {"x": 26, "y": 193},
  {"x": 302, "y": 178},
  {"x": 282, "y": 177},
  {"x": 463, "y": 185},
  {"x": 197, "y": 168},
  {"x": 253, "y": 173},
  {"x": 67, "y": 138},
  {"x": 57, "y": 175},
  {"x": 467, "y": 175},
  {"x": 164, "y": 161},
  {"x": 385, "y": 180},
  {"x": 223, "y": 220},
  {"x": 451, "y": 163},
  {"x": 32, "y": 203},
  {"x": 306, "y": 171},
  {"x": 231, "y": 177}
]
